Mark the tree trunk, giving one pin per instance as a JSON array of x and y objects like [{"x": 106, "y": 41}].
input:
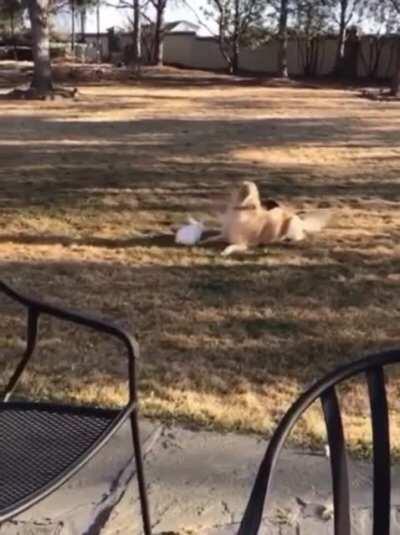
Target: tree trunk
[
  {"x": 224, "y": 49},
  {"x": 99, "y": 47},
  {"x": 73, "y": 25},
  {"x": 235, "y": 58},
  {"x": 283, "y": 40},
  {"x": 38, "y": 15},
  {"x": 83, "y": 16},
  {"x": 12, "y": 28},
  {"x": 136, "y": 49},
  {"x": 395, "y": 82},
  {"x": 236, "y": 38},
  {"x": 158, "y": 37},
  {"x": 340, "y": 52}
]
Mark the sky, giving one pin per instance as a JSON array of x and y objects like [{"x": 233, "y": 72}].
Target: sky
[
  {"x": 116, "y": 17},
  {"x": 176, "y": 10}
]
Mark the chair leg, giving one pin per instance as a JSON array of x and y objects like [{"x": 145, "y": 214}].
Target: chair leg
[{"x": 140, "y": 473}]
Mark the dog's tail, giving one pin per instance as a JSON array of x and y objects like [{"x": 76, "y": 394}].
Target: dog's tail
[
  {"x": 306, "y": 223},
  {"x": 317, "y": 220}
]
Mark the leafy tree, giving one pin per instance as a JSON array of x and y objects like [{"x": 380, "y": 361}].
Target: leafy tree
[
  {"x": 136, "y": 32},
  {"x": 343, "y": 14},
  {"x": 39, "y": 14},
  {"x": 310, "y": 17},
  {"x": 386, "y": 21},
  {"x": 159, "y": 6},
  {"x": 135, "y": 7},
  {"x": 157, "y": 28},
  {"x": 280, "y": 15},
  {"x": 283, "y": 38},
  {"x": 155, "y": 31},
  {"x": 11, "y": 16},
  {"x": 310, "y": 21},
  {"x": 395, "y": 84},
  {"x": 78, "y": 8},
  {"x": 238, "y": 21},
  {"x": 304, "y": 19}
]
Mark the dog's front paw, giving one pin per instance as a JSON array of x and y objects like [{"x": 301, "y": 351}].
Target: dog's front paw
[
  {"x": 227, "y": 251},
  {"x": 231, "y": 249}
]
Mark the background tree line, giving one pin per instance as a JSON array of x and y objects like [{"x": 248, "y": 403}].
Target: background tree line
[{"x": 239, "y": 23}]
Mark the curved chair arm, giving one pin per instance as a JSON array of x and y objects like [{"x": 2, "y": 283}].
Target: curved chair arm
[
  {"x": 37, "y": 307},
  {"x": 324, "y": 389}
]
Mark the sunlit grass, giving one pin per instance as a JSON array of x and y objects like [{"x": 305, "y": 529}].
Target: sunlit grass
[{"x": 91, "y": 191}]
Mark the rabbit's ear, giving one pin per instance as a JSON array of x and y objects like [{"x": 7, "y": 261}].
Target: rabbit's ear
[{"x": 194, "y": 221}]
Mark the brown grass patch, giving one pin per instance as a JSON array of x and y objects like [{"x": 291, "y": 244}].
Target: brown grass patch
[{"x": 91, "y": 189}]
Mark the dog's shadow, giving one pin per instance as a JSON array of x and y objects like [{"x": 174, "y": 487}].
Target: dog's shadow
[
  {"x": 148, "y": 239},
  {"x": 168, "y": 240}
]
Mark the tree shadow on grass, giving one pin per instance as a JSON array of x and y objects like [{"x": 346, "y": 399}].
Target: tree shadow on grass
[
  {"x": 236, "y": 314},
  {"x": 178, "y": 165},
  {"x": 216, "y": 331}
]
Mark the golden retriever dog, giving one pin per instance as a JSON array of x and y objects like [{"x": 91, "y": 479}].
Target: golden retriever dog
[{"x": 247, "y": 223}]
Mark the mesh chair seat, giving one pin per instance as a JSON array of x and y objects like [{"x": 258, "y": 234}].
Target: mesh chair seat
[{"x": 41, "y": 442}]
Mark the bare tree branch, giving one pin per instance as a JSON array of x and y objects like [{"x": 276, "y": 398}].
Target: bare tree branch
[
  {"x": 199, "y": 21},
  {"x": 396, "y": 5}
]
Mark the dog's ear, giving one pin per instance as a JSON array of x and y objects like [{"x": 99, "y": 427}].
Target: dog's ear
[
  {"x": 243, "y": 193},
  {"x": 248, "y": 195}
]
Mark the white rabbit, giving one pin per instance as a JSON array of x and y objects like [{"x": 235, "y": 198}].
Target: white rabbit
[{"x": 190, "y": 234}]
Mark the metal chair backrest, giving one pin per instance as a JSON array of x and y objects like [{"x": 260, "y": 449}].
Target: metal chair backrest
[
  {"x": 325, "y": 390},
  {"x": 43, "y": 486}
]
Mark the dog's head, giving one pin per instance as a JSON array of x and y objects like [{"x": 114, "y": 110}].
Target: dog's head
[{"x": 246, "y": 196}]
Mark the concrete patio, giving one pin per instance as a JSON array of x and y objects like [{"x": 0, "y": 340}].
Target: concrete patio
[{"x": 198, "y": 483}]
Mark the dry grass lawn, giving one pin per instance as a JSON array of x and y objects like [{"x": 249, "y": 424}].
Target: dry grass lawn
[{"x": 90, "y": 189}]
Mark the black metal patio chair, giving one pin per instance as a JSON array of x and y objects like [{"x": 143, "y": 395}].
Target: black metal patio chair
[
  {"x": 372, "y": 367},
  {"x": 30, "y": 469}
]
